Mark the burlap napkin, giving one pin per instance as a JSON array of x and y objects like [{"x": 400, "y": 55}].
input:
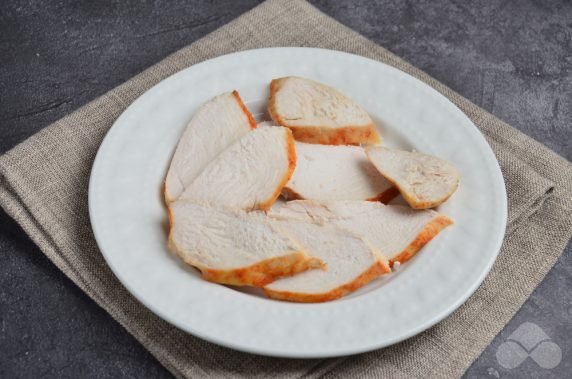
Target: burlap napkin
[{"x": 44, "y": 188}]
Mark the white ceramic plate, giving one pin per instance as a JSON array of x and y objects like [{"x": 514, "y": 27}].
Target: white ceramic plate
[{"x": 130, "y": 225}]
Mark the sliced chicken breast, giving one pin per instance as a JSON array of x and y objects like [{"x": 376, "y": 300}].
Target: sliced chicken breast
[
  {"x": 215, "y": 126},
  {"x": 326, "y": 173},
  {"x": 350, "y": 262},
  {"x": 397, "y": 232},
  {"x": 317, "y": 113},
  {"x": 249, "y": 174},
  {"x": 424, "y": 181},
  {"x": 234, "y": 247}
]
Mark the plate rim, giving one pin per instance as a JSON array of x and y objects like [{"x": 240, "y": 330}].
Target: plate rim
[{"x": 341, "y": 352}]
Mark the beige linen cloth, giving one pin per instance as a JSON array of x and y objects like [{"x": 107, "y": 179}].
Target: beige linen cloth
[{"x": 44, "y": 185}]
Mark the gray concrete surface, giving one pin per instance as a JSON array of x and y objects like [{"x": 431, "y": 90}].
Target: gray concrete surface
[{"x": 514, "y": 58}]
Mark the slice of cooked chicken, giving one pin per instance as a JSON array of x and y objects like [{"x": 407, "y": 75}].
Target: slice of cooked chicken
[
  {"x": 398, "y": 232},
  {"x": 326, "y": 172},
  {"x": 317, "y": 113},
  {"x": 351, "y": 263},
  {"x": 234, "y": 247},
  {"x": 424, "y": 181},
  {"x": 215, "y": 126},
  {"x": 249, "y": 174}
]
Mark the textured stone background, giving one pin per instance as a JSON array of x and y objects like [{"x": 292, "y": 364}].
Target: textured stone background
[{"x": 514, "y": 58}]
